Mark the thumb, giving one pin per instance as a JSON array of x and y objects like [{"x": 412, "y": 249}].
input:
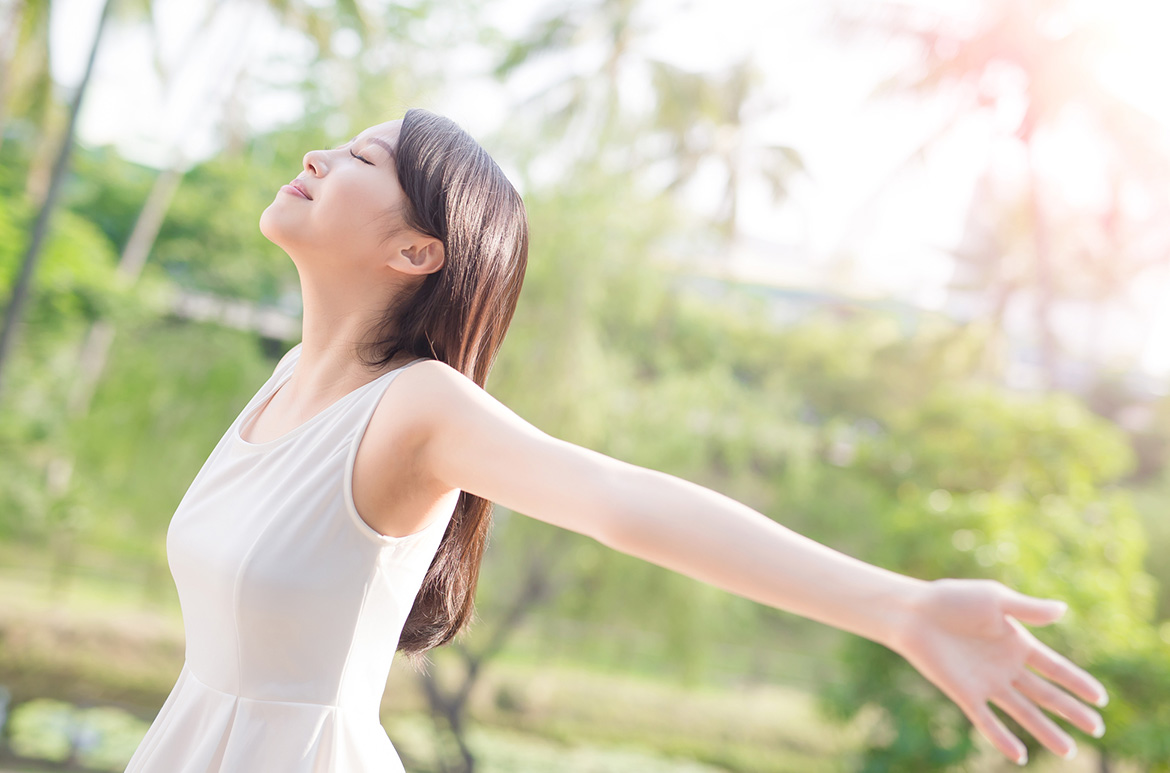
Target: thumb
[{"x": 1032, "y": 610}]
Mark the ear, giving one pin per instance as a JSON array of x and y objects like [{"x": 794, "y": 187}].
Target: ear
[{"x": 425, "y": 255}]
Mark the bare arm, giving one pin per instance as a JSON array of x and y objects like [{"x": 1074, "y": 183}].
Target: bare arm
[
  {"x": 703, "y": 534},
  {"x": 959, "y": 633}
]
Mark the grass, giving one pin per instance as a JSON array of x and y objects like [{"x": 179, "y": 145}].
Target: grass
[
  {"x": 99, "y": 643},
  {"x": 763, "y": 728}
]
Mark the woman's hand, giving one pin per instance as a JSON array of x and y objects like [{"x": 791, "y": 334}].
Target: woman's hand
[{"x": 965, "y": 636}]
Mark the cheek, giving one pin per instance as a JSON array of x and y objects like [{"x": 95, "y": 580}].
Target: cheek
[
  {"x": 336, "y": 226},
  {"x": 357, "y": 219}
]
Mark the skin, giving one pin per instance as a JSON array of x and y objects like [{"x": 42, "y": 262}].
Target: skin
[{"x": 435, "y": 433}]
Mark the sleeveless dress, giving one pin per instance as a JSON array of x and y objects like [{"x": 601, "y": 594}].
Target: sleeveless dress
[{"x": 292, "y": 604}]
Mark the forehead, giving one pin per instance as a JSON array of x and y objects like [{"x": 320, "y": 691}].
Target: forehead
[{"x": 387, "y": 131}]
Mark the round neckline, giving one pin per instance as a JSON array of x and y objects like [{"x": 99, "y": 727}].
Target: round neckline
[{"x": 252, "y": 414}]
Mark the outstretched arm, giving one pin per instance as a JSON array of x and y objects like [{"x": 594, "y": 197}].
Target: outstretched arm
[{"x": 962, "y": 635}]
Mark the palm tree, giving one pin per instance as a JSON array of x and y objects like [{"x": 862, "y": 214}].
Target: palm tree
[
  {"x": 20, "y": 290},
  {"x": 11, "y": 24},
  {"x": 703, "y": 116},
  {"x": 95, "y": 349},
  {"x": 589, "y": 95},
  {"x": 320, "y": 25},
  {"x": 1012, "y": 55},
  {"x": 26, "y": 87}
]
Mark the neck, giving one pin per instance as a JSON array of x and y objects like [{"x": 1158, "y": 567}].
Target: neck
[{"x": 333, "y": 328}]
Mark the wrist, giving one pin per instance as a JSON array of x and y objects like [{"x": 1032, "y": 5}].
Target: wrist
[{"x": 901, "y": 605}]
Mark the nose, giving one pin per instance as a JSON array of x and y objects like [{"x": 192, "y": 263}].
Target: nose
[{"x": 314, "y": 163}]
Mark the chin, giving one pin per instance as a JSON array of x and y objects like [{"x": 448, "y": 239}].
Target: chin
[
  {"x": 276, "y": 229},
  {"x": 270, "y": 226}
]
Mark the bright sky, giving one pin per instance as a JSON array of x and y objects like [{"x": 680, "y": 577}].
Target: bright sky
[{"x": 896, "y": 232}]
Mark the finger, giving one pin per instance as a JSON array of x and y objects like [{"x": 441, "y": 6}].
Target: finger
[
  {"x": 1061, "y": 670},
  {"x": 1032, "y": 610},
  {"x": 1059, "y": 702},
  {"x": 1035, "y": 722},
  {"x": 995, "y": 731}
]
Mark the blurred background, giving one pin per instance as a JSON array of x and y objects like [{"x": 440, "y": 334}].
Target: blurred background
[{"x": 896, "y": 274}]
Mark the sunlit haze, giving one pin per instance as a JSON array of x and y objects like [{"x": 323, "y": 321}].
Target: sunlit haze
[{"x": 893, "y": 231}]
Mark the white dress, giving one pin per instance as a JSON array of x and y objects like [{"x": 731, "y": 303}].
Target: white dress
[{"x": 292, "y": 604}]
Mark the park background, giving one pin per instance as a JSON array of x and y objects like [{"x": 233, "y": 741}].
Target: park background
[{"x": 894, "y": 274}]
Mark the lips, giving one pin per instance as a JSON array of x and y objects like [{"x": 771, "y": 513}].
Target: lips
[{"x": 300, "y": 186}]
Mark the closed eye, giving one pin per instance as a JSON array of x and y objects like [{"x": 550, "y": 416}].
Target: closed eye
[{"x": 355, "y": 155}]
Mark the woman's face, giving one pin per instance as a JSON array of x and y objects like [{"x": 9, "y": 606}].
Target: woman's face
[{"x": 339, "y": 217}]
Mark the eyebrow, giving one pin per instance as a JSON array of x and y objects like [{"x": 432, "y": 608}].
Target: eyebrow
[
  {"x": 374, "y": 140},
  {"x": 384, "y": 144}
]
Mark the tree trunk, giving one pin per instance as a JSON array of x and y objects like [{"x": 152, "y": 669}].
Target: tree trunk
[
  {"x": 96, "y": 346},
  {"x": 450, "y": 708},
  {"x": 95, "y": 350},
  {"x": 9, "y": 35},
  {"x": 20, "y": 290},
  {"x": 993, "y": 350},
  {"x": 1044, "y": 294}
]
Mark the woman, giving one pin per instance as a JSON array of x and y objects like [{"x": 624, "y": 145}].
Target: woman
[{"x": 338, "y": 515}]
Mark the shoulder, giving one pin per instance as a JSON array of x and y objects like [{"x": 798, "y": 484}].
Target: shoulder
[
  {"x": 393, "y": 486},
  {"x": 434, "y": 369},
  {"x": 426, "y": 399},
  {"x": 441, "y": 394},
  {"x": 433, "y": 394},
  {"x": 453, "y": 427},
  {"x": 433, "y": 384}
]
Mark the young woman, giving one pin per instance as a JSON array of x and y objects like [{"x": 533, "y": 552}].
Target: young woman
[{"x": 338, "y": 516}]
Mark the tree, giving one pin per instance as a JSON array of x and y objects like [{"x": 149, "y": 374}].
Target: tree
[
  {"x": 704, "y": 116},
  {"x": 25, "y": 82},
  {"x": 586, "y": 101},
  {"x": 10, "y": 29},
  {"x": 695, "y": 118},
  {"x": 966, "y": 479},
  {"x": 20, "y": 291},
  {"x": 1017, "y": 52}
]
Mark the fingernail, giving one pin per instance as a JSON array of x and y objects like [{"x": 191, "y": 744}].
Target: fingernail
[
  {"x": 1071, "y": 752},
  {"x": 1023, "y": 760},
  {"x": 1099, "y": 729},
  {"x": 1103, "y": 701}
]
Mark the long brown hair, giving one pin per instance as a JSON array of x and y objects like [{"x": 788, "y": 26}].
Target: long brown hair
[{"x": 459, "y": 315}]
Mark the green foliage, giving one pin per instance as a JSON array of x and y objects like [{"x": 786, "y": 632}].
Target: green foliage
[
  {"x": 145, "y": 426},
  {"x": 915, "y": 733},
  {"x": 104, "y": 737},
  {"x": 869, "y": 434},
  {"x": 211, "y": 240},
  {"x": 1140, "y": 671},
  {"x": 631, "y": 367},
  {"x": 40, "y": 729},
  {"x": 985, "y": 483},
  {"x": 862, "y": 429},
  {"x": 108, "y": 191},
  {"x": 1151, "y": 499},
  {"x": 74, "y": 285},
  {"x": 74, "y": 280}
]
